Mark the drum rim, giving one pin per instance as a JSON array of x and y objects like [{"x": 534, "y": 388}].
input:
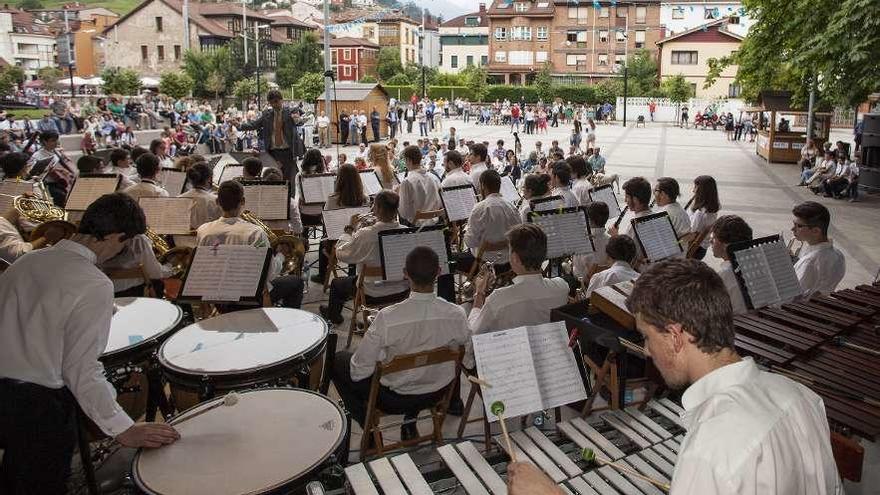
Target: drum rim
[
  {"x": 306, "y": 354},
  {"x": 158, "y": 336},
  {"x": 344, "y": 436}
]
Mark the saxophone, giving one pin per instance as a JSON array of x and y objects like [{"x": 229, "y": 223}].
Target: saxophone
[{"x": 295, "y": 253}]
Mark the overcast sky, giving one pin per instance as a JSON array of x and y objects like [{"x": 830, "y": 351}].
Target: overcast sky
[{"x": 450, "y": 8}]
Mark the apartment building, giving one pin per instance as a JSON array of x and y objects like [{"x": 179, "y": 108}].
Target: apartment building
[
  {"x": 464, "y": 41},
  {"x": 688, "y": 14},
  {"x": 387, "y": 29},
  {"x": 353, "y": 58},
  {"x": 687, "y": 53},
  {"x": 26, "y": 42}
]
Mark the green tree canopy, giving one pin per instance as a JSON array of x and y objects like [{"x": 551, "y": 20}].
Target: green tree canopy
[
  {"x": 176, "y": 84},
  {"x": 607, "y": 90},
  {"x": 225, "y": 61},
  {"x": 388, "y": 63},
  {"x": 476, "y": 79},
  {"x": 295, "y": 60},
  {"x": 121, "y": 81},
  {"x": 544, "y": 82},
  {"x": 50, "y": 76},
  {"x": 30, "y": 4},
  {"x": 246, "y": 89},
  {"x": 10, "y": 77},
  {"x": 398, "y": 80},
  {"x": 368, "y": 79},
  {"x": 642, "y": 73},
  {"x": 309, "y": 87},
  {"x": 677, "y": 89}
]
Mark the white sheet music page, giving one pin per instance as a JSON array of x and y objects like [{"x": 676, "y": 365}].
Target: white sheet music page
[
  {"x": 231, "y": 172},
  {"x": 566, "y": 233},
  {"x": 658, "y": 237},
  {"x": 267, "y": 201},
  {"x": 167, "y": 215},
  {"x": 316, "y": 189},
  {"x": 12, "y": 188},
  {"x": 395, "y": 248},
  {"x": 508, "y": 190},
  {"x": 87, "y": 189},
  {"x": 559, "y": 380},
  {"x": 226, "y": 272},
  {"x": 787, "y": 284},
  {"x": 172, "y": 180},
  {"x": 548, "y": 205},
  {"x": 755, "y": 270},
  {"x": 458, "y": 202},
  {"x": 504, "y": 361},
  {"x": 336, "y": 220},
  {"x": 372, "y": 186},
  {"x": 606, "y": 195}
]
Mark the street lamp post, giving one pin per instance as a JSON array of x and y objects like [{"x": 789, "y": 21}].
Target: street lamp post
[
  {"x": 625, "y": 91},
  {"x": 257, "y": 45}
]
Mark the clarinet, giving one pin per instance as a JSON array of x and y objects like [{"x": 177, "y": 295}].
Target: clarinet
[
  {"x": 620, "y": 218},
  {"x": 689, "y": 203}
]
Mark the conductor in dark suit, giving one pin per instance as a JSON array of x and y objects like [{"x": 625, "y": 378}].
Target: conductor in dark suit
[{"x": 278, "y": 132}]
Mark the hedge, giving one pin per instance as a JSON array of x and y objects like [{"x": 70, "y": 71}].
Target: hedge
[
  {"x": 446, "y": 92},
  {"x": 575, "y": 93},
  {"x": 512, "y": 93}
]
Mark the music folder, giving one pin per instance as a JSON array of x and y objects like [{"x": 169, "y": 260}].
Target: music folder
[
  {"x": 567, "y": 231},
  {"x": 336, "y": 220},
  {"x": 268, "y": 200},
  {"x": 509, "y": 191},
  {"x": 606, "y": 195},
  {"x": 458, "y": 201},
  {"x": 226, "y": 273},
  {"x": 371, "y": 182},
  {"x": 167, "y": 215},
  {"x": 316, "y": 188},
  {"x": 231, "y": 172},
  {"x": 764, "y": 271},
  {"x": 656, "y": 237},
  {"x": 548, "y": 203},
  {"x": 89, "y": 187},
  {"x": 172, "y": 179},
  {"x": 396, "y": 244}
]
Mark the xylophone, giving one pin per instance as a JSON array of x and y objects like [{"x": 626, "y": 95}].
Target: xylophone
[{"x": 645, "y": 441}]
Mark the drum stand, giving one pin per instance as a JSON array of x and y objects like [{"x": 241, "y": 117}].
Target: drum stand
[
  {"x": 85, "y": 453},
  {"x": 156, "y": 398}
]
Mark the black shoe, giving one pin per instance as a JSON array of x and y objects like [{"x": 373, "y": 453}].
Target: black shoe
[
  {"x": 456, "y": 407},
  {"x": 317, "y": 278},
  {"x": 325, "y": 314},
  {"x": 409, "y": 431}
]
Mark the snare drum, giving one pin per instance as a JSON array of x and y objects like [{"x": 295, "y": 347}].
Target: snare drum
[
  {"x": 271, "y": 441},
  {"x": 240, "y": 350}
]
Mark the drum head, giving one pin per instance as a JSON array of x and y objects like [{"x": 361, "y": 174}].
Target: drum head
[
  {"x": 138, "y": 319},
  {"x": 269, "y": 439},
  {"x": 243, "y": 341}
]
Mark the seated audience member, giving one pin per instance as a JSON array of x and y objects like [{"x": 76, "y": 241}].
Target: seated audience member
[
  {"x": 422, "y": 322},
  {"x": 147, "y": 187},
  {"x": 821, "y": 266},
  {"x": 621, "y": 250},
  {"x": 666, "y": 199},
  {"x": 727, "y": 230}
]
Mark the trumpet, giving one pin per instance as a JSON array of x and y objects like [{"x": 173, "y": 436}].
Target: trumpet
[{"x": 294, "y": 252}]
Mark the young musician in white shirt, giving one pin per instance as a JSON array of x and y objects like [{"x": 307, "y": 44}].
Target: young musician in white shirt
[
  {"x": 137, "y": 253},
  {"x": 582, "y": 185},
  {"x": 597, "y": 212},
  {"x": 418, "y": 192},
  {"x": 621, "y": 250},
  {"x": 637, "y": 195},
  {"x": 703, "y": 209},
  {"x": 348, "y": 193},
  {"x": 748, "y": 431},
  {"x": 478, "y": 157},
  {"x": 560, "y": 178},
  {"x": 422, "y": 322},
  {"x": 535, "y": 186},
  {"x": 821, "y": 266},
  {"x": 56, "y": 308},
  {"x": 666, "y": 196},
  {"x": 454, "y": 176},
  {"x": 729, "y": 229},
  {"x": 147, "y": 168},
  {"x": 59, "y": 175},
  {"x": 120, "y": 164},
  {"x": 12, "y": 243},
  {"x": 489, "y": 221},
  {"x": 205, "y": 208}
]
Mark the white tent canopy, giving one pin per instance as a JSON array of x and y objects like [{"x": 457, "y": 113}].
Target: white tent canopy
[{"x": 149, "y": 82}]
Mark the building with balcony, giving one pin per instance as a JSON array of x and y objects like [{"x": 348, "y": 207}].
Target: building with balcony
[
  {"x": 687, "y": 53},
  {"x": 688, "y": 14},
  {"x": 464, "y": 41},
  {"x": 353, "y": 58},
  {"x": 387, "y": 29},
  {"x": 26, "y": 42}
]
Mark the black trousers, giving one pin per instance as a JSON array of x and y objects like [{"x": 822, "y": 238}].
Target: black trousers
[
  {"x": 355, "y": 394},
  {"x": 342, "y": 289},
  {"x": 376, "y": 132},
  {"x": 38, "y": 431},
  {"x": 343, "y": 133},
  {"x": 287, "y": 291},
  {"x": 58, "y": 193},
  {"x": 288, "y": 162}
]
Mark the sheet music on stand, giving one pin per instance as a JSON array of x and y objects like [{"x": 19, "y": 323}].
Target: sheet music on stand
[
  {"x": 231, "y": 172},
  {"x": 316, "y": 188},
  {"x": 167, "y": 215},
  {"x": 172, "y": 179},
  {"x": 371, "y": 182},
  {"x": 567, "y": 231},
  {"x": 656, "y": 236},
  {"x": 764, "y": 271},
  {"x": 336, "y": 220},
  {"x": 458, "y": 201},
  {"x": 548, "y": 203},
  {"x": 265, "y": 158},
  {"x": 396, "y": 244},
  {"x": 226, "y": 273},
  {"x": 89, "y": 187},
  {"x": 509, "y": 191},
  {"x": 268, "y": 200},
  {"x": 10, "y": 188},
  {"x": 217, "y": 162},
  {"x": 606, "y": 195},
  {"x": 530, "y": 369}
]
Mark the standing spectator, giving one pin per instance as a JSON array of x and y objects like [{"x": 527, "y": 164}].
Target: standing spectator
[
  {"x": 410, "y": 118},
  {"x": 323, "y": 123},
  {"x": 375, "y": 120},
  {"x": 652, "y": 107},
  {"x": 344, "y": 121},
  {"x": 362, "y": 126},
  {"x": 514, "y": 118},
  {"x": 857, "y": 133},
  {"x": 423, "y": 124},
  {"x": 353, "y": 133},
  {"x": 393, "y": 121},
  {"x": 684, "y": 117},
  {"x": 852, "y": 176}
]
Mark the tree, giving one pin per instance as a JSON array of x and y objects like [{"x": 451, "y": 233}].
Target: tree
[
  {"x": 476, "y": 80},
  {"x": 544, "y": 82},
  {"x": 309, "y": 87},
  {"x": 176, "y": 84},
  {"x": 368, "y": 79},
  {"x": 121, "y": 81},
  {"x": 30, "y": 4},
  {"x": 677, "y": 89},
  {"x": 297, "y": 59},
  {"x": 398, "y": 80},
  {"x": 50, "y": 76},
  {"x": 388, "y": 63},
  {"x": 225, "y": 61},
  {"x": 245, "y": 89},
  {"x": 641, "y": 73},
  {"x": 10, "y": 78},
  {"x": 216, "y": 84},
  {"x": 608, "y": 90}
]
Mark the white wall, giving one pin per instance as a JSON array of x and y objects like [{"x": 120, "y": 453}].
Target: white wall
[
  {"x": 695, "y": 15},
  {"x": 462, "y": 52},
  {"x": 667, "y": 110}
]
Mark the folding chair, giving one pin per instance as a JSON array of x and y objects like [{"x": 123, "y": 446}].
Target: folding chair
[
  {"x": 465, "y": 415},
  {"x": 438, "y": 410},
  {"x": 359, "y": 304},
  {"x": 609, "y": 375}
]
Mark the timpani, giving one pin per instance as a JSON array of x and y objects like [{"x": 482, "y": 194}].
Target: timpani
[{"x": 260, "y": 347}]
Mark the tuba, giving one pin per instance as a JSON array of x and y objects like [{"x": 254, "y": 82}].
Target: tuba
[
  {"x": 44, "y": 214},
  {"x": 295, "y": 253}
]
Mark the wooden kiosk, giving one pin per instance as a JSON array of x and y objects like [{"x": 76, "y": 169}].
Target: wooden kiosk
[
  {"x": 785, "y": 147},
  {"x": 355, "y": 97}
]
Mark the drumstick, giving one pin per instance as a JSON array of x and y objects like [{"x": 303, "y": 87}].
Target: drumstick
[
  {"x": 590, "y": 456},
  {"x": 497, "y": 409},
  {"x": 229, "y": 400},
  {"x": 478, "y": 381}
]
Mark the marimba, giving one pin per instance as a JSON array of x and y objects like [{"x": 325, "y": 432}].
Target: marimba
[{"x": 645, "y": 441}]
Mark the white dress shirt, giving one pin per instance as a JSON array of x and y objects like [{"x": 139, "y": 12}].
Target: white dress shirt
[
  {"x": 12, "y": 244},
  {"x": 56, "y": 308},
  {"x": 146, "y": 188},
  {"x": 418, "y": 192},
  {"x": 129, "y": 177},
  {"x": 568, "y": 198},
  {"x": 620, "y": 271},
  {"x": 362, "y": 248},
  {"x": 680, "y": 220},
  {"x": 736, "y": 298},
  {"x": 477, "y": 170},
  {"x": 138, "y": 251},
  {"x": 581, "y": 190},
  {"x": 457, "y": 177},
  {"x": 626, "y": 227},
  {"x": 420, "y": 323},
  {"x": 581, "y": 262},
  {"x": 204, "y": 207},
  {"x": 701, "y": 220},
  {"x": 526, "y": 206},
  {"x": 751, "y": 432},
  {"x": 820, "y": 268},
  {"x": 489, "y": 221},
  {"x": 234, "y": 230}
]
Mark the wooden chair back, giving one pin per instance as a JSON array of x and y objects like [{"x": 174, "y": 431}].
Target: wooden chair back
[
  {"x": 696, "y": 241},
  {"x": 429, "y": 214}
]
